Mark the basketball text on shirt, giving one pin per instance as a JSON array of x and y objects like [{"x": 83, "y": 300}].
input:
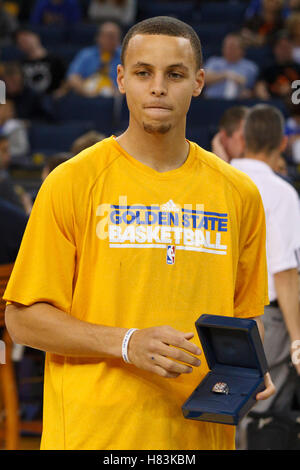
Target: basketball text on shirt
[{"x": 161, "y": 226}]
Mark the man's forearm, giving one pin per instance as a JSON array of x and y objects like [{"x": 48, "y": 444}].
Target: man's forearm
[
  {"x": 45, "y": 327},
  {"x": 287, "y": 290}
]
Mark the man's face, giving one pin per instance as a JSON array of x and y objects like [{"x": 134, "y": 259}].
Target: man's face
[
  {"x": 232, "y": 49},
  {"x": 4, "y": 153},
  {"x": 159, "y": 78},
  {"x": 283, "y": 51},
  {"x": 14, "y": 83},
  {"x": 109, "y": 37},
  {"x": 234, "y": 144},
  {"x": 27, "y": 41},
  {"x": 272, "y": 5}
]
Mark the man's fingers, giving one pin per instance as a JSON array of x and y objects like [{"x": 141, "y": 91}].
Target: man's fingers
[
  {"x": 269, "y": 390},
  {"x": 164, "y": 373},
  {"x": 172, "y": 367},
  {"x": 179, "y": 340},
  {"x": 178, "y": 355}
]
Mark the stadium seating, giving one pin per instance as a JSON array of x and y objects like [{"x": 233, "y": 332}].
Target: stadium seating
[
  {"x": 182, "y": 10},
  {"x": 52, "y": 138},
  {"x": 98, "y": 110},
  {"x": 231, "y": 12},
  {"x": 208, "y": 112}
]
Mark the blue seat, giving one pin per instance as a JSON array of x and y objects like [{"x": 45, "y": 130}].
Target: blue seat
[
  {"x": 181, "y": 10},
  {"x": 82, "y": 34},
  {"x": 202, "y": 135},
  {"x": 10, "y": 53},
  {"x": 211, "y": 34},
  {"x": 51, "y": 35},
  {"x": 54, "y": 138},
  {"x": 99, "y": 110},
  {"x": 66, "y": 52},
  {"x": 262, "y": 56},
  {"x": 208, "y": 111},
  {"x": 223, "y": 12}
]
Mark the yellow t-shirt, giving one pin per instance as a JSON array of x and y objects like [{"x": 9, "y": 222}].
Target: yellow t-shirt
[{"x": 112, "y": 241}]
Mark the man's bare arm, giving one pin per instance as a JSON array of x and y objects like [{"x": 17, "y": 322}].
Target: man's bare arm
[
  {"x": 287, "y": 290},
  {"x": 45, "y": 327}
]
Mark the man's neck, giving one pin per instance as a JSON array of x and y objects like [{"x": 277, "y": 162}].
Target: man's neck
[
  {"x": 269, "y": 159},
  {"x": 161, "y": 152}
]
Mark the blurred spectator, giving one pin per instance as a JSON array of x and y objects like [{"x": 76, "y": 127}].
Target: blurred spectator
[
  {"x": 93, "y": 72},
  {"x": 265, "y": 141},
  {"x": 230, "y": 76},
  {"x": 255, "y": 7},
  {"x": 13, "y": 225},
  {"x": 85, "y": 141},
  {"x": 56, "y": 12},
  {"x": 53, "y": 162},
  {"x": 293, "y": 132},
  {"x": 293, "y": 28},
  {"x": 275, "y": 80},
  {"x": 13, "y": 193},
  {"x": 229, "y": 142},
  {"x": 122, "y": 11},
  {"x": 28, "y": 104},
  {"x": 43, "y": 72},
  {"x": 15, "y": 130},
  {"x": 261, "y": 27},
  {"x": 8, "y": 25}
]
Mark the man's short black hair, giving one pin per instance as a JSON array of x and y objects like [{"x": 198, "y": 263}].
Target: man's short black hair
[{"x": 168, "y": 26}]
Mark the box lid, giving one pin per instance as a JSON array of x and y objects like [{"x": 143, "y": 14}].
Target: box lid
[{"x": 231, "y": 343}]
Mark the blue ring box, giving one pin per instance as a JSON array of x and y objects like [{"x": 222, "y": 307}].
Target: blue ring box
[{"x": 235, "y": 355}]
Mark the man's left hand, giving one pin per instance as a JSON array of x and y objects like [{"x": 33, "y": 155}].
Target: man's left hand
[{"x": 269, "y": 390}]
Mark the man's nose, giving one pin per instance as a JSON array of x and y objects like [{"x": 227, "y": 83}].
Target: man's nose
[{"x": 158, "y": 85}]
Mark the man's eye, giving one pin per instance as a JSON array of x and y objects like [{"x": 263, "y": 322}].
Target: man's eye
[
  {"x": 175, "y": 75},
  {"x": 142, "y": 73}
]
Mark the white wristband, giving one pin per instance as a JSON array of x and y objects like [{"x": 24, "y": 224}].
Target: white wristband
[{"x": 125, "y": 344}]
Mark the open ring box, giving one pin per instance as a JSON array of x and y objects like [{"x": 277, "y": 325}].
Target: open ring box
[{"x": 235, "y": 356}]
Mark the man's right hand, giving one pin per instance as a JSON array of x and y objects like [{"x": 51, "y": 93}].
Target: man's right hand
[{"x": 156, "y": 350}]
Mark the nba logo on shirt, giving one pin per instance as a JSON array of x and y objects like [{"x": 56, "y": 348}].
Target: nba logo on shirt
[{"x": 171, "y": 254}]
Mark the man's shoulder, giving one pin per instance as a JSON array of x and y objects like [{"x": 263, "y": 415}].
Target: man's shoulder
[
  {"x": 88, "y": 52},
  {"x": 85, "y": 167},
  {"x": 227, "y": 174},
  {"x": 282, "y": 189}
]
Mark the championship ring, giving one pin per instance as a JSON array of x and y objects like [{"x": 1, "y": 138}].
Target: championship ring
[{"x": 221, "y": 387}]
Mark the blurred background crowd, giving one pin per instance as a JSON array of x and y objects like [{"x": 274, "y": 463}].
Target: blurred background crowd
[{"x": 58, "y": 61}]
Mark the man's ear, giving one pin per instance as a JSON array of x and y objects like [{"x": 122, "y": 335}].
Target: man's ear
[
  {"x": 199, "y": 82},
  {"x": 120, "y": 79},
  {"x": 283, "y": 144}
]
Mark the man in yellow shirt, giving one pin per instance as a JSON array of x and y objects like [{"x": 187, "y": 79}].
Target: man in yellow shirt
[{"x": 146, "y": 231}]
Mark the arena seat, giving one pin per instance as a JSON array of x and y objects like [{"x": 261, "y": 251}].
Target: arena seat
[
  {"x": 10, "y": 54},
  {"x": 99, "y": 110},
  {"x": 52, "y": 138},
  {"x": 50, "y": 34},
  {"x": 202, "y": 135},
  {"x": 223, "y": 12},
  {"x": 181, "y": 10},
  {"x": 208, "y": 111},
  {"x": 82, "y": 34},
  {"x": 262, "y": 56},
  {"x": 211, "y": 34}
]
